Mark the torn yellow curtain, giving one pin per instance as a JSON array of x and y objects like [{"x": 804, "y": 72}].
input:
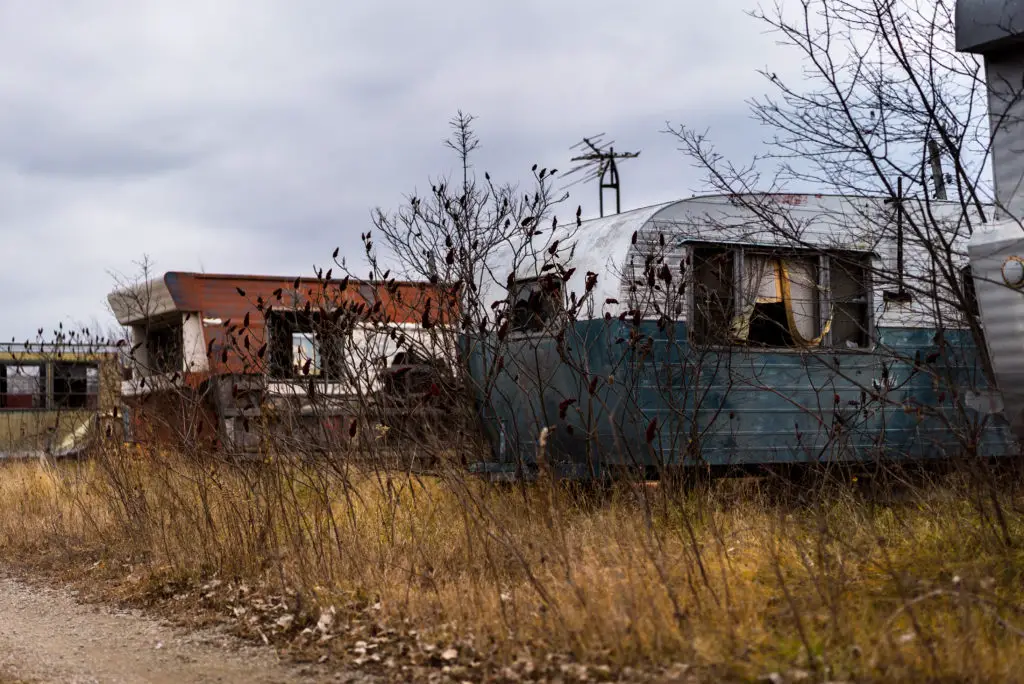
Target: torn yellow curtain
[
  {"x": 801, "y": 294},
  {"x": 770, "y": 280}
]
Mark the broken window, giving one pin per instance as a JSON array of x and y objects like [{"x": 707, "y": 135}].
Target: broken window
[
  {"x": 850, "y": 286},
  {"x": 713, "y": 269},
  {"x": 536, "y": 303},
  {"x": 165, "y": 348},
  {"x": 22, "y": 386},
  {"x": 75, "y": 386},
  {"x": 305, "y": 354},
  {"x": 779, "y": 298},
  {"x": 303, "y": 345}
]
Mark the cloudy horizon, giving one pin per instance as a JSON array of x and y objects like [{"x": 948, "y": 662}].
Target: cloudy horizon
[{"x": 255, "y": 137}]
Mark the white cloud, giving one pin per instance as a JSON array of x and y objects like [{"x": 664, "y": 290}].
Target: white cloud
[{"x": 254, "y": 136}]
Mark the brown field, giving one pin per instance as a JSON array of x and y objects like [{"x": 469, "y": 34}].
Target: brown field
[{"x": 733, "y": 581}]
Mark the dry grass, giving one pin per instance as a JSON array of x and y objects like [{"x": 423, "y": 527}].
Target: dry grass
[{"x": 730, "y": 579}]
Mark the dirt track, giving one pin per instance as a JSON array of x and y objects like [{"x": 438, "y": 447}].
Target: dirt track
[{"x": 48, "y": 636}]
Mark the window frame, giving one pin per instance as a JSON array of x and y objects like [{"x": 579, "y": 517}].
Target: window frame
[
  {"x": 547, "y": 328},
  {"x": 174, "y": 331},
  {"x": 291, "y": 324},
  {"x": 691, "y": 291},
  {"x": 825, "y": 258},
  {"x": 40, "y": 398},
  {"x": 866, "y": 260},
  {"x": 91, "y": 398}
]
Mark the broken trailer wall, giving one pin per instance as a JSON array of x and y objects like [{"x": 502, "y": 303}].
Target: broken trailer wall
[
  {"x": 242, "y": 351},
  {"x": 711, "y": 337}
]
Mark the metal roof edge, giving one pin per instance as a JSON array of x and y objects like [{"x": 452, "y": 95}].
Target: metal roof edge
[{"x": 284, "y": 278}]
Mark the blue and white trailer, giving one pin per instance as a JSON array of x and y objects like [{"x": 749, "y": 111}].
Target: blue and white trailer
[{"x": 735, "y": 331}]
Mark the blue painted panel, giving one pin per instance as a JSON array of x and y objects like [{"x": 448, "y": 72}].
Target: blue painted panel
[{"x": 662, "y": 401}]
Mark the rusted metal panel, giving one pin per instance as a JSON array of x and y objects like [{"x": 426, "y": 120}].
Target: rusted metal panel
[
  {"x": 222, "y": 320},
  {"x": 223, "y": 301}
]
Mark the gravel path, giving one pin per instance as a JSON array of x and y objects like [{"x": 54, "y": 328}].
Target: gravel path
[{"x": 48, "y": 636}]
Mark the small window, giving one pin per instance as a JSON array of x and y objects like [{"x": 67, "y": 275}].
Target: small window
[
  {"x": 305, "y": 354},
  {"x": 75, "y": 386},
  {"x": 301, "y": 345},
  {"x": 536, "y": 303},
  {"x": 165, "y": 348},
  {"x": 713, "y": 269},
  {"x": 778, "y": 298},
  {"x": 22, "y": 386},
  {"x": 850, "y": 284}
]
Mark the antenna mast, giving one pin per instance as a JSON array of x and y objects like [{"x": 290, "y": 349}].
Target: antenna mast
[{"x": 598, "y": 162}]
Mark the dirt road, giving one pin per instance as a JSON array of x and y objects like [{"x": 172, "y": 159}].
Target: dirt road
[{"x": 48, "y": 636}]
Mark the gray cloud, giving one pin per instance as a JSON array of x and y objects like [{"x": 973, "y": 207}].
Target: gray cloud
[{"x": 255, "y": 136}]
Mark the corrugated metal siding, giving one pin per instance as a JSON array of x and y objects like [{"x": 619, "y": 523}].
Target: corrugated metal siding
[
  {"x": 1003, "y": 74},
  {"x": 604, "y": 246},
  {"x": 1002, "y": 312},
  {"x": 745, "y": 406}
]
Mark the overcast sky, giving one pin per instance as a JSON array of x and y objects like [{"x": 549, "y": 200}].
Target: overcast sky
[{"x": 254, "y": 136}]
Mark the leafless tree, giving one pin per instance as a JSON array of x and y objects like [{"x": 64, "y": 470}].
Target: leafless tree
[
  {"x": 885, "y": 107},
  {"x": 889, "y": 115}
]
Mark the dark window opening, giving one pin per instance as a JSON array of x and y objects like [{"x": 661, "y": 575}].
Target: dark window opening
[
  {"x": 165, "y": 348},
  {"x": 782, "y": 298},
  {"x": 303, "y": 345},
  {"x": 970, "y": 294},
  {"x": 850, "y": 284},
  {"x": 536, "y": 304},
  {"x": 769, "y": 326},
  {"x": 778, "y": 298},
  {"x": 75, "y": 386},
  {"x": 22, "y": 386},
  {"x": 713, "y": 271}
]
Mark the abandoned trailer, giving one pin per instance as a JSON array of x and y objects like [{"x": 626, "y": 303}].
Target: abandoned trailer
[
  {"x": 735, "y": 331},
  {"x": 55, "y": 399},
  {"x": 236, "y": 361}
]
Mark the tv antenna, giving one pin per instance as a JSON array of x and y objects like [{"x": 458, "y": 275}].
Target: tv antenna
[{"x": 597, "y": 161}]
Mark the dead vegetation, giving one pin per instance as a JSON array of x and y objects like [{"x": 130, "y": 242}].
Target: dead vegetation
[
  {"x": 445, "y": 577},
  {"x": 413, "y": 577}
]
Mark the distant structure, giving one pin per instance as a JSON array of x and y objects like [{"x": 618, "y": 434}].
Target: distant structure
[
  {"x": 598, "y": 162},
  {"x": 56, "y": 399},
  {"x": 243, "y": 359}
]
